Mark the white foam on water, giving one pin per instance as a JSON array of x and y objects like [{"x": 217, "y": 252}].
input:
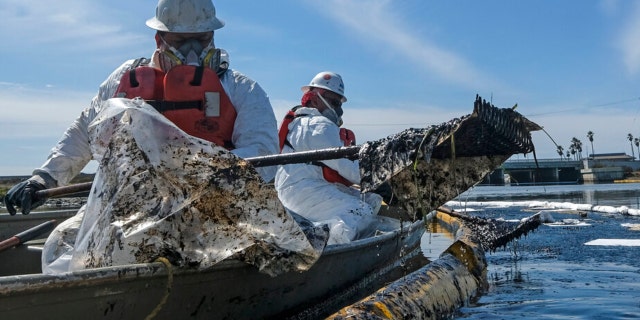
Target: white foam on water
[
  {"x": 567, "y": 224},
  {"x": 631, "y": 226},
  {"x": 541, "y": 205},
  {"x": 614, "y": 242}
]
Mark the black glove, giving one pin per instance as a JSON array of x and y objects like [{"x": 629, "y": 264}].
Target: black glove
[{"x": 23, "y": 195}]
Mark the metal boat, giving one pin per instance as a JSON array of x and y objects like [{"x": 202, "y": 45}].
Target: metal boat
[{"x": 229, "y": 290}]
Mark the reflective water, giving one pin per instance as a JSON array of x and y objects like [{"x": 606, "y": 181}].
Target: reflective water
[
  {"x": 436, "y": 240},
  {"x": 616, "y": 194},
  {"x": 551, "y": 273}
]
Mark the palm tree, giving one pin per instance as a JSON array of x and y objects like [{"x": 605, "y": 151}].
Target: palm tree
[
  {"x": 630, "y": 138},
  {"x": 560, "y": 151},
  {"x": 636, "y": 141},
  {"x": 576, "y": 144},
  {"x": 590, "y": 137}
]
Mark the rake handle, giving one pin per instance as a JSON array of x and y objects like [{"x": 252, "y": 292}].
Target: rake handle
[{"x": 350, "y": 152}]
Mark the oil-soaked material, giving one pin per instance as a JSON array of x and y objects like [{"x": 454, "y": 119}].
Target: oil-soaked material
[
  {"x": 429, "y": 166},
  {"x": 493, "y": 233},
  {"x": 160, "y": 192},
  {"x": 433, "y": 292},
  {"x": 438, "y": 289}
]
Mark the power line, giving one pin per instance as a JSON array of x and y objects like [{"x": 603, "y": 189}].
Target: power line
[
  {"x": 422, "y": 124},
  {"x": 588, "y": 107},
  {"x": 387, "y": 124}
]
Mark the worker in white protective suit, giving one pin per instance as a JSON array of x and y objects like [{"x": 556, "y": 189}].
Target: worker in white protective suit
[
  {"x": 324, "y": 191},
  {"x": 189, "y": 81},
  {"x": 225, "y": 107}
]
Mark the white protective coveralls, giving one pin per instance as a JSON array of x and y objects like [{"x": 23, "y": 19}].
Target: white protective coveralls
[
  {"x": 254, "y": 134},
  {"x": 303, "y": 189}
]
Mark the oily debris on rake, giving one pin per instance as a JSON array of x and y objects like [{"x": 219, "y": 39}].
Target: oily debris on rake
[
  {"x": 427, "y": 167},
  {"x": 492, "y": 233}
]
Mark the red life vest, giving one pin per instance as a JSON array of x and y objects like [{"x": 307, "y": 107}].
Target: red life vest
[
  {"x": 347, "y": 136},
  {"x": 284, "y": 127},
  {"x": 191, "y": 97}
]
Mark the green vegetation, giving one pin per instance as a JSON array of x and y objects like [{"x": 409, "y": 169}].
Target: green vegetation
[
  {"x": 3, "y": 191},
  {"x": 5, "y": 186}
]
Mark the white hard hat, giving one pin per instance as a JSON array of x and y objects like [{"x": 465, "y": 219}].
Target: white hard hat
[
  {"x": 327, "y": 80},
  {"x": 185, "y": 16}
]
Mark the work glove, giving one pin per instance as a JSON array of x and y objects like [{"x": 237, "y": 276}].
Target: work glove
[{"x": 23, "y": 195}]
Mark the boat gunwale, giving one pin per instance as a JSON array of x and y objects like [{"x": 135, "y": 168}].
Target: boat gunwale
[
  {"x": 25, "y": 283},
  {"x": 38, "y": 215}
]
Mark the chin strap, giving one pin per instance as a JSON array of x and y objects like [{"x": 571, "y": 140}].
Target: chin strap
[{"x": 331, "y": 114}]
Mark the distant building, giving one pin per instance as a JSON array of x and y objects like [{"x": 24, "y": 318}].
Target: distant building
[{"x": 618, "y": 156}]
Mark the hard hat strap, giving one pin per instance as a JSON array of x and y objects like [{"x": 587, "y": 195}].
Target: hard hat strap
[{"x": 330, "y": 112}]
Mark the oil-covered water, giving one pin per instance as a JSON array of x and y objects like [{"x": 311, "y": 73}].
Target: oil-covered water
[{"x": 552, "y": 273}]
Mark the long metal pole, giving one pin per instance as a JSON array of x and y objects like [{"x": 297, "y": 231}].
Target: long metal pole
[{"x": 350, "y": 152}]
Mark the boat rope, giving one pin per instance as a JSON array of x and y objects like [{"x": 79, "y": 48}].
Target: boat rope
[
  {"x": 167, "y": 292},
  {"x": 420, "y": 205}
]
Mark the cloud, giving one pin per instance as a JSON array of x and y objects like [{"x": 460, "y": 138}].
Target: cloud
[
  {"x": 33, "y": 120},
  {"x": 628, "y": 41},
  {"x": 29, "y": 112},
  {"x": 562, "y": 127},
  {"x": 381, "y": 25},
  {"x": 87, "y": 24}
]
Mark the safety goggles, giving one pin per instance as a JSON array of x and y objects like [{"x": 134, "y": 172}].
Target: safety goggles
[{"x": 177, "y": 40}]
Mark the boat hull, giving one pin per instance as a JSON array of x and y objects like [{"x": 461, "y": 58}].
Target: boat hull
[{"x": 229, "y": 290}]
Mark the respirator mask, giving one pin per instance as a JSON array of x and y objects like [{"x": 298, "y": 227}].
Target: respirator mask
[
  {"x": 191, "y": 52},
  {"x": 332, "y": 113}
]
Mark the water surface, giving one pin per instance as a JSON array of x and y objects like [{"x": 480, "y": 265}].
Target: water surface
[{"x": 551, "y": 273}]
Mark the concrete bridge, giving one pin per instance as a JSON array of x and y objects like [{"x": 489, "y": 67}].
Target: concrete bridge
[{"x": 556, "y": 171}]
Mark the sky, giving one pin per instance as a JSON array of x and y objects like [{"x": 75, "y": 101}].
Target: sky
[{"x": 571, "y": 66}]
